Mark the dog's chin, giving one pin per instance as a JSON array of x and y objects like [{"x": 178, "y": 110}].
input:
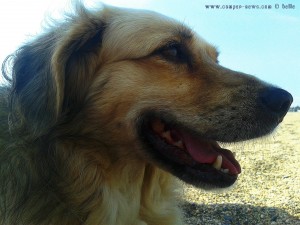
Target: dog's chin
[{"x": 190, "y": 157}]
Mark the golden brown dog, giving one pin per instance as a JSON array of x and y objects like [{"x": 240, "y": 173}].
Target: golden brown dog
[{"x": 108, "y": 106}]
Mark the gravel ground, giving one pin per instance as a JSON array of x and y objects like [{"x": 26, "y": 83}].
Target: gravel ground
[{"x": 267, "y": 191}]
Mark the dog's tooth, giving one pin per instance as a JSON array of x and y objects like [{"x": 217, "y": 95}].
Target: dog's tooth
[
  {"x": 179, "y": 144},
  {"x": 218, "y": 163},
  {"x": 224, "y": 170}
]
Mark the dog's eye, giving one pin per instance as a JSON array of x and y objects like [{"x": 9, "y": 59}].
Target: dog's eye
[
  {"x": 171, "y": 51},
  {"x": 174, "y": 53}
]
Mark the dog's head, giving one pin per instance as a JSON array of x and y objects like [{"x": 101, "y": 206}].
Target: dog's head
[{"x": 145, "y": 86}]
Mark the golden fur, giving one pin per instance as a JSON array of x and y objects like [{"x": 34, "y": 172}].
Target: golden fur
[{"x": 76, "y": 97}]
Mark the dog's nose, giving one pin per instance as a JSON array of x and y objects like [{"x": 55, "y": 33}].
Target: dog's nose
[{"x": 277, "y": 100}]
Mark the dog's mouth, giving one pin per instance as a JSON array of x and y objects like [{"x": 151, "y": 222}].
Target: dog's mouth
[{"x": 193, "y": 159}]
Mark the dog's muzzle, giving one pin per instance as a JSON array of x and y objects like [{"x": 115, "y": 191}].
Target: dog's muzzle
[{"x": 277, "y": 101}]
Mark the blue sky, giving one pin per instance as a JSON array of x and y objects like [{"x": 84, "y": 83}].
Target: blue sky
[{"x": 261, "y": 42}]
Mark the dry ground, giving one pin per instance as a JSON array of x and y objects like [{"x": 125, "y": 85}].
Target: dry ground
[{"x": 267, "y": 191}]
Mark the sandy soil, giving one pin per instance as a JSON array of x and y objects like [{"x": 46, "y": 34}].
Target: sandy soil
[{"x": 267, "y": 191}]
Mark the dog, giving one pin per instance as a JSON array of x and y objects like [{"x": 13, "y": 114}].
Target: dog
[{"x": 104, "y": 110}]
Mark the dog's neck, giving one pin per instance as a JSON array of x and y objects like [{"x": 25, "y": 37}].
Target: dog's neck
[{"x": 99, "y": 190}]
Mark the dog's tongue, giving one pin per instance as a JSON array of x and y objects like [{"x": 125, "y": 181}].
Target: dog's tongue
[{"x": 207, "y": 152}]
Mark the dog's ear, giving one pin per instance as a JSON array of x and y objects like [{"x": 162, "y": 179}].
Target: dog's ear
[
  {"x": 75, "y": 60},
  {"x": 51, "y": 74}
]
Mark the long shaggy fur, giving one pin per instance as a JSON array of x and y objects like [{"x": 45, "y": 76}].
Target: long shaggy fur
[{"x": 58, "y": 168}]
